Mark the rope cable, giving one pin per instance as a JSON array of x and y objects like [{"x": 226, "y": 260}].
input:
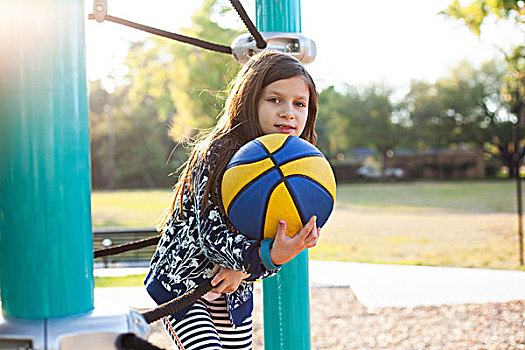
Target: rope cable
[
  {"x": 261, "y": 44},
  {"x": 130, "y": 341},
  {"x": 118, "y": 249},
  {"x": 178, "y": 303},
  {"x": 182, "y": 38}
]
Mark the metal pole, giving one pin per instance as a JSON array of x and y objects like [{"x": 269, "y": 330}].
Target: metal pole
[
  {"x": 517, "y": 161},
  {"x": 286, "y": 295},
  {"x": 46, "y": 241}
]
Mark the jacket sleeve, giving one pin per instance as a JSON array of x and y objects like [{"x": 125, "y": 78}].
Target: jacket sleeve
[{"x": 220, "y": 242}]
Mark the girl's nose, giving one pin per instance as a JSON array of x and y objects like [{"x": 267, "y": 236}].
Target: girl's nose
[{"x": 287, "y": 112}]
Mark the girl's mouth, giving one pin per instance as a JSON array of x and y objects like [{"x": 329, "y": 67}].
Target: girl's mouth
[{"x": 285, "y": 129}]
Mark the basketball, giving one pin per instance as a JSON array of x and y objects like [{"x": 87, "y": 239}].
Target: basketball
[{"x": 277, "y": 177}]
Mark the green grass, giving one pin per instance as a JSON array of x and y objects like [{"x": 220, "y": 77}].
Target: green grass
[
  {"x": 463, "y": 196},
  {"x": 133, "y": 208},
  {"x": 121, "y": 281},
  {"x": 439, "y": 223}
]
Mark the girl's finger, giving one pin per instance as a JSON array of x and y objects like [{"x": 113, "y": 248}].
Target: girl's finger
[
  {"x": 313, "y": 231},
  {"x": 215, "y": 269},
  {"x": 281, "y": 229},
  {"x": 217, "y": 279},
  {"x": 312, "y": 244},
  {"x": 312, "y": 237},
  {"x": 307, "y": 229}
]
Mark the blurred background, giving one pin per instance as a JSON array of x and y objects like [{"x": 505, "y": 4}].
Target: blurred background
[{"x": 421, "y": 110}]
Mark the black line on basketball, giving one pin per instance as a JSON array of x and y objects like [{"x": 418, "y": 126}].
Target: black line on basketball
[
  {"x": 263, "y": 146},
  {"x": 296, "y": 204},
  {"x": 301, "y": 157},
  {"x": 247, "y": 185},
  {"x": 266, "y": 201},
  {"x": 301, "y": 215},
  {"x": 288, "y": 138},
  {"x": 240, "y": 162},
  {"x": 314, "y": 181}
]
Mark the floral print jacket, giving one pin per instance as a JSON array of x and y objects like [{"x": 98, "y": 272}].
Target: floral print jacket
[{"x": 190, "y": 247}]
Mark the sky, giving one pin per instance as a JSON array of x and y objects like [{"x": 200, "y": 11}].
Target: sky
[{"x": 358, "y": 42}]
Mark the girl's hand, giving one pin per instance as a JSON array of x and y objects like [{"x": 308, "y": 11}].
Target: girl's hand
[
  {"x": 285, "y": 248},
  {"x": 226, "y": 280}
]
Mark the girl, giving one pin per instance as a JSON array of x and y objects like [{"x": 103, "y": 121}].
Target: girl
[{"x": 272, "y": 93}]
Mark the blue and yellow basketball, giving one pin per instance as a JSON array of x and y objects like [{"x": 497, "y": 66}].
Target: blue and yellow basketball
[{"x": 277, "y": 177}]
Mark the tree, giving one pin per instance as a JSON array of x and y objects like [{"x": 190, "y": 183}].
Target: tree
[
  {"x": 172, "y": 89},
  {"x": 464, "y": 107},
  {"x": 514, "y": 89},
  {"x": 358, "y": 118},
  {"x": 190, "y": 78},
  {"x": 478, "y": 11},
  {"x": 372, "y": 126},
  {"x": 132, "y": 152},
  {"x": 332, "y": 122}
]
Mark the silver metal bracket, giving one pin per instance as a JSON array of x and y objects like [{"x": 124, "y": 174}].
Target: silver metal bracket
[
  {"x": 100, "y": 10},
  {"x": 97, "y": 329},
  {"x": 298, "y": 45}
]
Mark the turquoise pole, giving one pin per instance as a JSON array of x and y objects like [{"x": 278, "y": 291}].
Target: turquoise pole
[
  {"x": 286, "y": 295},
  {"x": 46, "y": 241},
  {"x": 278, "y": 15}
]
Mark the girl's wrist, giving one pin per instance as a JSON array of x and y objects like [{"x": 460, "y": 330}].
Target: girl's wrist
[{"x": 265, "y": 255}]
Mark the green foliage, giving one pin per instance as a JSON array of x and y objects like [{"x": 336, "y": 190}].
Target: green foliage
[
  {"x": 173, "y": 90},
  {"x": 190, "y": 78},
  {"x": 513, "y": 88},
  {"x": 333, "y": 123},
  {"x": 463, "y": 107},
  {"x": 129, "y": 142},
  {"x": 358, "y": 118},
  {"x": 477, "y": 11}
]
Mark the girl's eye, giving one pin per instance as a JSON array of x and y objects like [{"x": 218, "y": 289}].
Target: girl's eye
[
  {"x": 300, "y": 104},
  {"x": 273, "y": 100}
]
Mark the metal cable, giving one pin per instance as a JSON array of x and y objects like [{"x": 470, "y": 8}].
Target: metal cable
[
  {"x": 182, "y": 38},
  {"x": 261, "y": 44}
]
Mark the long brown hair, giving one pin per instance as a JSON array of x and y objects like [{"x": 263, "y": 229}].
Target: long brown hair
[{"x": 239, "y": 123}]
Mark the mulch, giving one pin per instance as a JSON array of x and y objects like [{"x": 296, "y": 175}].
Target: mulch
[{"x": 339, "y": 321}]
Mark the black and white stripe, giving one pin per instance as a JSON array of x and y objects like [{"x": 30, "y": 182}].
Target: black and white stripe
[{"x": 207, "y": 326}]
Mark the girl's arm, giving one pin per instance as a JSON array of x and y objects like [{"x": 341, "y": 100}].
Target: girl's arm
[{"x": 221, "y": 244}]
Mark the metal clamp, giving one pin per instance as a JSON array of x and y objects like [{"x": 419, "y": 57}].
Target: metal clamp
[
  {"x": 298, "y": 45},
  {"x": 100, "y": 10}
]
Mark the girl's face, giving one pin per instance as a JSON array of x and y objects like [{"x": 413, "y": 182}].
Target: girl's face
[{"x": 283, "y": 107}]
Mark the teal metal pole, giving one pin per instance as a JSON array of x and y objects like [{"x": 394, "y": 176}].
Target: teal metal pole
[
  {"x": 278, "y": 15},
  {"x": 46, "y": 240},
  {"x": 286, "y": 296}
]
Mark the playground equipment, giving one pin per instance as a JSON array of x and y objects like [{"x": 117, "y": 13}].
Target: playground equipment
[{"x": 46, "y": 239}]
